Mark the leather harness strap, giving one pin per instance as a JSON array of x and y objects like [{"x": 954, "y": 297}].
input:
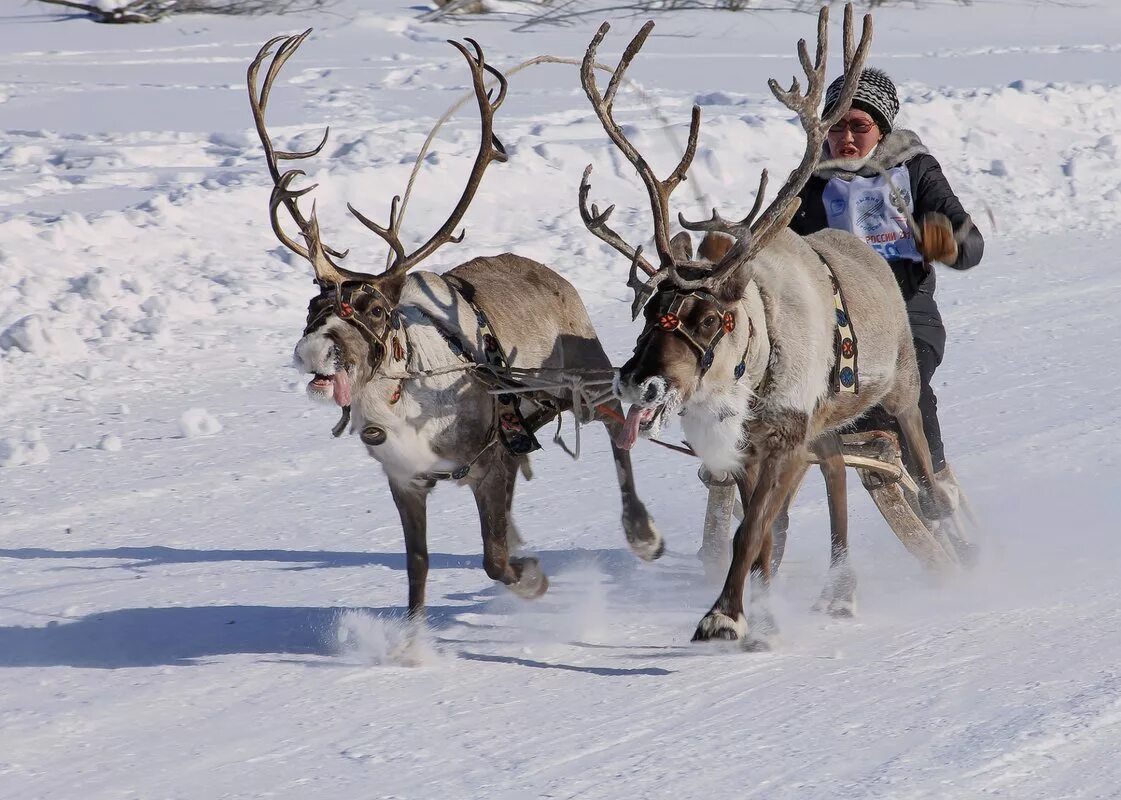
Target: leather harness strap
[
  {"x": 846, "y": 378},
  {"x": 510, "y": 426}
]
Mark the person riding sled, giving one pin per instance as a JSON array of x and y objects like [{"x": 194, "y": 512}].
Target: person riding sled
[{"x": 850, "y": 191}]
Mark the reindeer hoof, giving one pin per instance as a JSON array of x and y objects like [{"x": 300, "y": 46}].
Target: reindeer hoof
[
  {"x": 532, "y": 581},
  {"x": 836, "y": 607},
  {"x": 646, "y": 541},
  {"x": 754, "y": 644},
  {"x": 715, "y": 626}
]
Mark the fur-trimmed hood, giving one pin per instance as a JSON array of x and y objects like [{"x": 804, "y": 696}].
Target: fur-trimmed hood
[{"x": 896, "y": 148}]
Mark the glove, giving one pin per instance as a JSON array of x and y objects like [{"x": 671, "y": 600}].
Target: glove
[{"x": 938, "y": 242}]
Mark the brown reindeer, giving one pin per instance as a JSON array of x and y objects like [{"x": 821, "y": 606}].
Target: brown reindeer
[
  {"x": 416, "y": 359},
  {"x": 743, "y": 345}
]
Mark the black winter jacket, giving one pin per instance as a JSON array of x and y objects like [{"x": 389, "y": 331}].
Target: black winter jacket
[{"x": 932, "y": 193}]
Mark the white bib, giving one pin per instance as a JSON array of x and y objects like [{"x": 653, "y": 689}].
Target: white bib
[{"x": 864, "y": 207}]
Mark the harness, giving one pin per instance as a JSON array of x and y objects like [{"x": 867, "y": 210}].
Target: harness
[
  {"x": 668, "y": 319},
  {"x": 845, "y": 378},
  {"x": 374, "y": 325},
  {"x": 510, "y": 427},
  {"x": 382, "y": 328}
]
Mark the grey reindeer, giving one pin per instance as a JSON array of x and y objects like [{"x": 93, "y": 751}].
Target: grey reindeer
[
  {"x": 415, "y": 358},
  {"x": 742, "y": 343}
]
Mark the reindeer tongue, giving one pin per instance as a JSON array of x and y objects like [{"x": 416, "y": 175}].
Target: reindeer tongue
[
  {"x": 635, "y": 417},
  {"x": 342, "y": 388}
]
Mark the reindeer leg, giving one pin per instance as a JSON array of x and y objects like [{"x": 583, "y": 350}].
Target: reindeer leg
[
  {"x": 934, "y": 502},
  {"x": 523, "y": 576},
  {"x": 412, "y": 505},
  {"x": 726, "y": 619},
  {"x": 514, "y": 540},
  {"x": 761, "y": 623},
  {"x": 839, "y": 595},
  {"x": 643, "y": 537},
  {"x": 780, "y": 461},
  {"x": 716, "y": 545},
  {"x": 781, "y": 525}
]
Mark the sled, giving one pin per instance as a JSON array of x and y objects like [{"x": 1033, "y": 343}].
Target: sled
[{"x": 939, "y": 545}]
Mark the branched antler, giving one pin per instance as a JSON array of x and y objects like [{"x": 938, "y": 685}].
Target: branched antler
[
  {"x": 786, "y": 202},
  {"x": 754, "y": 231},
  {"x": 752, "y": 234},
  {"x": 490, "y": 149},
  {"x": 597, "y": 224},
  {"x": 659, "y": 191},
  {"x": 320, "y": 255}
]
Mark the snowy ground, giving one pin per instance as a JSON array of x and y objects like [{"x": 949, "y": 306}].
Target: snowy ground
[{"x": 194, "y": 615}]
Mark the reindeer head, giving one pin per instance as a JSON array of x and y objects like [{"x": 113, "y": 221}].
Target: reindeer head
[
  {"x": 350, "y": 324},
  {"x": 692, "y": 308}
]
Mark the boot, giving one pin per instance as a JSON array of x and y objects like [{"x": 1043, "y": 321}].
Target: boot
[
  {"x": 956, "y": 532},
  {"x": 948, "y": 482}
]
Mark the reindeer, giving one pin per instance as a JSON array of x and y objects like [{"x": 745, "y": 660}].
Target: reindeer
[
  {"x": 415, "y": 358},
  {"x": 743, "y": 342}
]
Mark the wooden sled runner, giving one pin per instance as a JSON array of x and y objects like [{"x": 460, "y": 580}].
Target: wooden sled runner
[{"x": 943, "y": 545}]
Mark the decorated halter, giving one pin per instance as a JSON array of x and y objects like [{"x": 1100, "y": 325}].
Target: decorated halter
[
  {"x": 668, "y": 319},
  {"x": 341, "y": 299}
]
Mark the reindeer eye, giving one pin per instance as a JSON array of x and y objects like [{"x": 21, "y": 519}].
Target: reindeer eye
[
  {"x": 709, "y": 321},
  {"x": 375, "y": 311}
]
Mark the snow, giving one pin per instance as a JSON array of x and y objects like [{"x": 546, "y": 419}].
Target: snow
[
  {"x": 110, "y": 443},
  {"x": 17, "y": 451},
  {"x": 201, "y": 592},
  {"x": 195, "y": 422}
]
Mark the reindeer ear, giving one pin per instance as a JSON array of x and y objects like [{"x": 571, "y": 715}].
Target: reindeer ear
[
  {"x": 714, "y": 246},
  {"x": 681, "y": 247},
  {"x": 731, "y": 289}
]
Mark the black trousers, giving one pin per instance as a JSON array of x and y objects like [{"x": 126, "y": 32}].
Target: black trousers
[
  {"x": 878, "y": 419},
  {"x": 929, "y": 360}
]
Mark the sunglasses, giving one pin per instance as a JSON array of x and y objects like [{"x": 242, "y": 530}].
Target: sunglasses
[{"x": 856, "y": 126}]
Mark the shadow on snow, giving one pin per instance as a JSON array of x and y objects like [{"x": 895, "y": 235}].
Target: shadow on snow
[
  {"x": 613, "y": 561},
  {"x": 182, "y": 636}
]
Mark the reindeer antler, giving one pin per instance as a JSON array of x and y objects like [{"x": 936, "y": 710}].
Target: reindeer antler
[
  {"x": 490, "y": 149},
  {"x": 319, "y": 254},
  {"x": 782, "y": 208},
  {"x": 322, "y": 256},
  {"x": 751, "y": 234},
  {"x": 756, "y": 234},
  {"x": 659, "y": 191}
]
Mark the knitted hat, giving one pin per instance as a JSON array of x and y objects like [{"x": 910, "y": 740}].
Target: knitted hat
[{"x": 875, "y": 95}]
